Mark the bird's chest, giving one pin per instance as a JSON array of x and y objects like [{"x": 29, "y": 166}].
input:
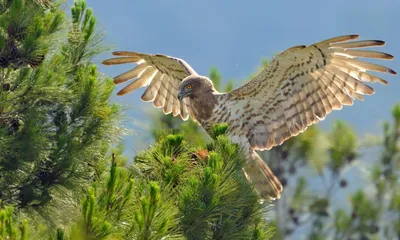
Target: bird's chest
[
  {"x": 203, "y": 113},
  {"x": 224, "y": 112},
  {"x": 207, "y": 124},
  {"x": 206, "y": 121}
]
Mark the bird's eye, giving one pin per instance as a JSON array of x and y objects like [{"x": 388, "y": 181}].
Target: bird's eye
[{"x": 189, "y": 86}]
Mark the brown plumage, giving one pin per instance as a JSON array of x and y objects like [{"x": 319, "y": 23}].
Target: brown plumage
[{"x": 298, "y": 88}]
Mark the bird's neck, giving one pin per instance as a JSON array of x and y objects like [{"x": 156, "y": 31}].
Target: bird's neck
[{"x": 202, "y": 106}]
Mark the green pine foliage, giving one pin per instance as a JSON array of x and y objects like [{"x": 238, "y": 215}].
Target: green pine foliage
[
  {"x": 209, "y": 198},
  {"x": 56, "y": 122},
  {"x": 63, "y": 175},
  {"x": 10, "y": 228},
  {"x": 57, "y": 135},
  {"x": 211, "y": 195}
]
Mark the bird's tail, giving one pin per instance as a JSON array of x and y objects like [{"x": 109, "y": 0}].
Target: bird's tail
[{"x": 264, "y": 180}]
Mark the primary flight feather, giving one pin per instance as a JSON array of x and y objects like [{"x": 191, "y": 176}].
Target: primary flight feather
[{"x": 298, "y": 88}]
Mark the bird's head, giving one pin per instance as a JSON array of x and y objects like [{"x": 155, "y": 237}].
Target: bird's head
[{"x": 194, "y": 86}]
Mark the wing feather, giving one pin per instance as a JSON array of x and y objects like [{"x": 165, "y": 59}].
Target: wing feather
[
  {"x": 161, "y": 75},
  {"x": 160, "y": 99},
  {"x": 324, "y": 93},
  {"x": 151, "y": 92},
  {"x": 184, "y": 110},
  {"x": 365, "y": 66},
  {"x": 302, "y": 85},
  {"x": 133, "y": 73},
  {"x": 169, "y": 98},
  {"x": 360, "y": 53},
  {"x": 121, "y": 60},
  {"x": 358, "y": 44},
  {"x": 356, "y": 73}
]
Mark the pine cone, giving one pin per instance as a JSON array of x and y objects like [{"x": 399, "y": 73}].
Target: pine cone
[
  {"x": 35, "y": 61},
  {"x": 14, "y": 54},
  {"x": 18, "y": 33},
  {"x": 6, "y": 87},
  {"x": 4, "y": 62},
  {"x": 343, "y": 183}
]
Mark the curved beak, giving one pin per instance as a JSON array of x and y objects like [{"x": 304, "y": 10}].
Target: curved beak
[{"x": 181, "y": 95}]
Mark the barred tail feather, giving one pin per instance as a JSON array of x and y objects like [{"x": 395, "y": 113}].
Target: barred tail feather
[{"x": 264, "y": 180}]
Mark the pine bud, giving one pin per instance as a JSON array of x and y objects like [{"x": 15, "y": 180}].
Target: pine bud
[
  {"x": 353, "y": 215},
  {"x": 295, "y": 220},
  {"x": 343, "y": 183},
  {"x": 289, "y": 231},
  {"x": 278, "y": 171},
  {"x": 6, "y": 87},
  {"x": 4, "y": 62},
  {"x": 374, "y": 229},
  {"x": 292, "y": 169},
  {"x": 291, "y": 211},
  {"x": 283, "y": 182},
  {"x": 351, "y": 156},
  {"x": 284, "y": 154}
]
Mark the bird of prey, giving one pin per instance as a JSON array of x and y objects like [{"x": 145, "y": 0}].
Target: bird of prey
[{"x": 299, "y": 87}]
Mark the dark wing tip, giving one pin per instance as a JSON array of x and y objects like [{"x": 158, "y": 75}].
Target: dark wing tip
[
  {"x": 389, "y": 56},
  {"x": 107, "y": 62},
  {"x": 392, "y": 72},
  {"x": 125, "y": 53},
  {"x": 116, "y": 81},
  {"x": 379, "y": 42},
  {"x": 121, "y": 93},
  {"x": 353, "y": 36}
]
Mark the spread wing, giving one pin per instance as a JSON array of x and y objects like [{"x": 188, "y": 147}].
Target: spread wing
[
  {"x": 300, "y": 87},
  {"x": 161, "y": 75}
]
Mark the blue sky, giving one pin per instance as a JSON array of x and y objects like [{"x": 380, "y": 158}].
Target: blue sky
[{"x": 235, "y": 35}]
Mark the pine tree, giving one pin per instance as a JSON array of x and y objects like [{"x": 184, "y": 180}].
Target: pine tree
[
  {"x": 63, "y": 175},
  {"x": 175, "y": 191},
  {"x": 56, "y": 122},
  {"x": 57, "y": 130}
]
